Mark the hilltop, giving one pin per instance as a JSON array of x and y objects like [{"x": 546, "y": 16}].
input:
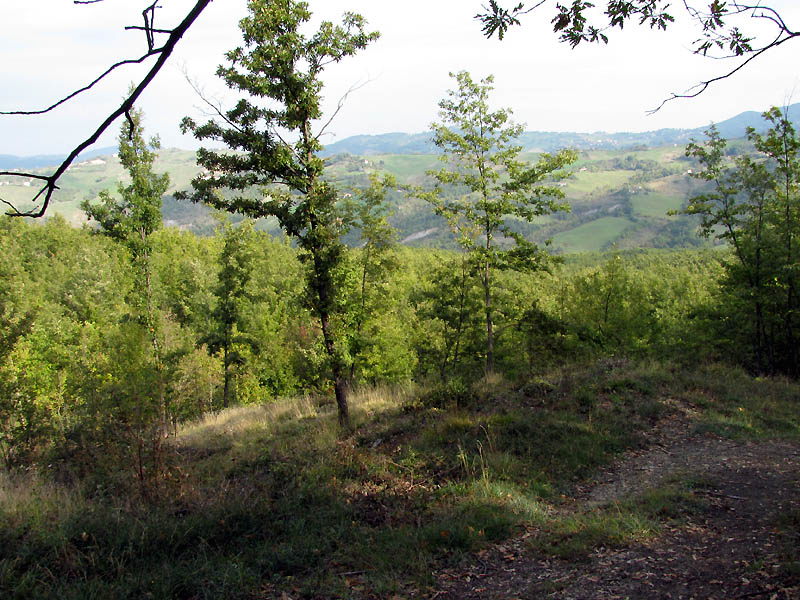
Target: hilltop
[{"x": 550, "y": 141}]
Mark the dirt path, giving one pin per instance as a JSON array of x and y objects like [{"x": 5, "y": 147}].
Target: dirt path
[{"x": 729, "y": 551}]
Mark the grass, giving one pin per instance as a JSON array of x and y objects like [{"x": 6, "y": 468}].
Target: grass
[
  {"x": 656, "y": 204},
  {"x": 405, "y": 167},
  {"x": 737, "y": 406},
  {"x": 585, "y": 183},
  {"x": 268, "y": 499},
  {"x": 592, "y": 236},
  {"x": 634, "y": 519}
]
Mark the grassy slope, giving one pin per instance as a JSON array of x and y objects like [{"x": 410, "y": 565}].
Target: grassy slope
[
  {"x": 583, "y": 184},
  {"x": 591, "y": 236},
  {"x": 263, "y": 500},
  {"x": 656, "y": 205},
  {"x": 591, "y": 190}
]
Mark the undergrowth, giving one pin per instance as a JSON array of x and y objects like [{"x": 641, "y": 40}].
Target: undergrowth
[
  {"x": 271, "y": 499},
  {"x": 620, "y": 523}
]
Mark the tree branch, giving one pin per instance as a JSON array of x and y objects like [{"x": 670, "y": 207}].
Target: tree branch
[
  {"x": 216, "y": 108},
  {"x": 163, "y": 53},
  {"x": 340, "y": 105},
  {"x": 703, "y": 85},
  {"x": 716, "y": 21}
]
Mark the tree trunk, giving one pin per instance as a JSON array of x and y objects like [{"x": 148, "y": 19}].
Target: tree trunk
[
  {"x": 489, "y": 332},
  {"x": 342, "y": 391},
  {"x": 340, "y": 387},
  {"x": 324, "y": 287},
  {"x": 359, "y": 323},
  {"x": 461, "y": 301},
  {"x": 226, "y": 379},
  {"x": 151, "y": 324}
]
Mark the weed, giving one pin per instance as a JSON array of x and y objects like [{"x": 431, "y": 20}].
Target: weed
[
  {"x": 618, "y": 524},
  {"x": 452, "y": 393}
]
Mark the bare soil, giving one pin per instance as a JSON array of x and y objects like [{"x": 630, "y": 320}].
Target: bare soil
[{"x": 731, "y": 550}]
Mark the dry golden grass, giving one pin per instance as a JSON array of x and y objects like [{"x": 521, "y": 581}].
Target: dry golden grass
[
  {"x": 23, "y": 496},
  {"x": 318, "y": 418}
]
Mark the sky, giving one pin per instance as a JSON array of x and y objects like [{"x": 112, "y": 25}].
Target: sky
[{"x": 50, "y": 47}]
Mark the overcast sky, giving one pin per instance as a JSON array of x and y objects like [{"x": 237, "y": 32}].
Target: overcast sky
[{"x": 48, "y": 47}]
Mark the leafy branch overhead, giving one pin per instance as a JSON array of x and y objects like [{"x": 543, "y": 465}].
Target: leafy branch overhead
[{"x": 722, "y": 26}]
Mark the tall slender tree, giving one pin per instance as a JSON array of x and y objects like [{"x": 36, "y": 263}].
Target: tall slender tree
[
  {"x": 275, "y": 131},
  {"x": 131, "y": 217},
  {"x": 235, "y": 271},
  {"x": 368, "y": 211},
  {"x": 492, "y": 186}
]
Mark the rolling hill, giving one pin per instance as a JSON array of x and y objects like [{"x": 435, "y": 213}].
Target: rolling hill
[
  {"x": 620, "y": 190},
  {"x": 617, "y": 197}
]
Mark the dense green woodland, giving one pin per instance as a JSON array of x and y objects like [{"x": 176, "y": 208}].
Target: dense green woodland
[
  {"x": 268, "y": 495},
  {"x": 76, "y": 362},
  {"x": 114, "y": 335}
]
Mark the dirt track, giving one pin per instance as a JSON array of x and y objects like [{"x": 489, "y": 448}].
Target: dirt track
[{"x": 729, "y": 551}]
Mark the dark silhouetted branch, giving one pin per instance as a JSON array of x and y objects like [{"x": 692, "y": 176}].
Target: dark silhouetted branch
[
  {"x": 163, "y": 53},
  {"x": 716, "y": 21},
  {"x": 703, "y": 85}
]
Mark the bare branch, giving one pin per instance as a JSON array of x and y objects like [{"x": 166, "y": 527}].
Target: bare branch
[
  {"x": 215, "y": 108},
  {"x": 85, "y": 88},
  {"x": 131, "y": 123},
  {"x": 163, "y": 54},
  {"x": 149, "y": 17},
  {"x": 756, "y": 11},
  {"x": 140, "y": 28},
  {"x": 716, "y": 20},
  {"x": 353, "y": 88},
  {"x": 28, "y": 175},
  {"x": 703, "y": 85},
  {"x": 276, "y": 132}
]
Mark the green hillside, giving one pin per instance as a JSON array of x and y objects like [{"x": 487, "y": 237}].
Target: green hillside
[
  {"x": 616, "y": 197},
  {"x": 591, "y": 236}
]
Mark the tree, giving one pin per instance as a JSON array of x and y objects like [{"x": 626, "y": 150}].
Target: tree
[
  {"x": 131, "y": 219},
  {"x": 368, "y": 211},
  {"x": 753, "y": 204},
  {"x": 236, "y": 269},
  {"x": 282, "y": 66},
  {"x": 449, "y": 304},
  {"x": 493, "y": 186},
  {"x": 719, "y": 23},
  {"x": 617, "y": 306}
]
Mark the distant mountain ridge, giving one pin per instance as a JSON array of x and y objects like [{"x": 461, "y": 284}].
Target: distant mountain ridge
[{"x": 549, "y": 141}]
